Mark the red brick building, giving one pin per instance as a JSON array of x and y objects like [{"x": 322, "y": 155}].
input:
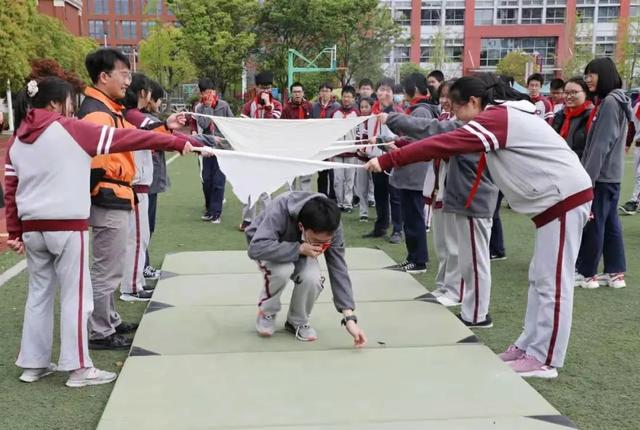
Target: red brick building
[{"x": 69, "y": 12}]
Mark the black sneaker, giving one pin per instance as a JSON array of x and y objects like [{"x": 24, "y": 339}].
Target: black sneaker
[
  {"x": 151, "y": 272},
  {"x": 371, "y": 203},
  {"x": 114, "y": 342},
  {"x": 348, "y": 210},
  {"x": 498, "y": 257},
  {"x": 244, "y": 225},
  {"x": 395, "y": 238},
  {"x": 364, "y": 218},
  {"x": 629, "y": 208},
  {"x": 487, "y": 323},
  {"x": 140, "y": 296},
  {"x": 206, "y": 217},
  {"x": 399, "y": 266},
  {"x": 126, "y": 328},
  {"x": 373, "y": 234},
  {"x": 149, "y": 288},
  {"x": 415, "y": 269}
]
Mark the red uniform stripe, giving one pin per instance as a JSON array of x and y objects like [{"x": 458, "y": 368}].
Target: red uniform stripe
[
  {"x": 80, "y": 302},
  {"x": 475, "y": 269},
  {"x": 266, "y": 272},
  {"x": 461, "y": 289},
  {"x": 137, "y": 254},
  {"x": 558, "y": 295}
]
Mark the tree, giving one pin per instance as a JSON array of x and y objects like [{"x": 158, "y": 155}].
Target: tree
[
  {"x": 580, "y": 47},
  {"x": 629, "y": 51},
  {"x": 408, "y": 68},
  {"x": 163, "y": 57},
  {"x": 514, "y": 64},
  {"x": 438, "y": 56},
  {"x": 14, "y": 42},
  {"x": 220, "y": 35}
]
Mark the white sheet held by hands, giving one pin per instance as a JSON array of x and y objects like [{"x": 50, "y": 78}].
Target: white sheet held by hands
[{"x": 251, "y": 175}]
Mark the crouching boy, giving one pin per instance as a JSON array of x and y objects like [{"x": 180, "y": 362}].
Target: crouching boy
[{"x": 286, "y": 240}]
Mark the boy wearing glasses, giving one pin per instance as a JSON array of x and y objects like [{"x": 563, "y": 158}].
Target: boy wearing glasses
[{"x": 286, "y": 240}]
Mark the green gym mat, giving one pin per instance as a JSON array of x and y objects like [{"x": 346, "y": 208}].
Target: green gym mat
[
  {"x": 244, "y": 288},
  {"x": 319, "y": 388},
  {"x": 221, "y": 329},
  {"x": 194, "y": 263}
]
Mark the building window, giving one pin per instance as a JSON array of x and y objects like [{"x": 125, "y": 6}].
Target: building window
[
  {"x": 122, "y": 7},
  {"x": 532, "y": 16},
  {"x": 608, "y": 14},
  {"x": 100, "y": 7},
  {"x": 128, "y": 30},
  {"x": 507, "y": 16},
  {"x": 532, "y": 2},
  {"x": 431, "y": 17},
  {"x": 453, "y": 54},
  {"x": 454, "y": 17},
  {"x": 150, "y": 11},
  {"x": 508, "y": 3},
  {"x": 146, "y": 28},
  {"x": 98, "y": 29},
  {"x": 401, "y": 54},
  {"x": 585, "y": 14},
  {"x": 555, "y": 15},
  {"x": 484, "y": 17},
  {"x": 402, "y": 17},
  {"x": 493, "y": 50},
  {"x": 605, "y": 49},
  {"x": 425, "y": 54},
  {"x": 556, "y": 3}
]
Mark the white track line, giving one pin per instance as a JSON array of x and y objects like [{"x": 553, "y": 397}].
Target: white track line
[
  {"x": 170, "y": 160},
  {"x": 13, "y": 271}
]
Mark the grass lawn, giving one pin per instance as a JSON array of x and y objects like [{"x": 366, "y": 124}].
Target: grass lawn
[{"x": 597, "y": 389}]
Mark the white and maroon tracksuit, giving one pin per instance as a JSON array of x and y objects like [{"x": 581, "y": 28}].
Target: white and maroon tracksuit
[
  {"x": 47, "y": 204},
  {"x": 139, "y": 233},
  {"x": 539, "y": 176},
  {"x": 344, "y": 179}
]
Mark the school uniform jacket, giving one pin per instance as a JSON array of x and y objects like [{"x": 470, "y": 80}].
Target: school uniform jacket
[
  {"x": 48, "y": 168},
  {"x": 320, "y": 111},
  {"x": 529, "y": 162},
  {"x": 254, "y": 109},
  {"x": 343, "y": 113},
  {"x": 296, "y": 111}
]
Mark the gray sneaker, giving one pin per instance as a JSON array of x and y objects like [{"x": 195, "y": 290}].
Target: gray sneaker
[
  {"x": 396, "y": 237},
  {"x": 33, "y": 375},
  {"x": 303, "y": 332},
  {"x": 89, "y": 376},
  {"x": 265, "y": 324}
]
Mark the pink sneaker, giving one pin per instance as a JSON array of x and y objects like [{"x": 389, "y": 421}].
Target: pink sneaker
[
  {"x": 527, "y": 366},
  {"x": 511, "y": 354}
]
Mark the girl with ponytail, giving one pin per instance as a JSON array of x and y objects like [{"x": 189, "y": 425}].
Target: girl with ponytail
[{"x": 541, "y": 177}]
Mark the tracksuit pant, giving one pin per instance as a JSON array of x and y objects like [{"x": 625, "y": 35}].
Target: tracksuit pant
[
  {"x": 415, "y": 235},
  {"x": 475, "y": 266},
  {"x": 308, "y": 283},
  {"x": 153, "y": 208},
  {"x": 636, "y": 172},
  {"x": 547, "y": 322},
  {"x": 56, "y": 258},
  {"x": 496, "y": 244},
  {"x": 343, "y": 182},
  {"x": 363, "y": 190},
  {"x": 137, "y": 245},
  {"x": 445, "y": 238},
  {"x": 110, "y": 232},
  {"x": 602, "y": 236},
  {"x": 387, "y": 200},
  {"x": 213, "y": 182}
]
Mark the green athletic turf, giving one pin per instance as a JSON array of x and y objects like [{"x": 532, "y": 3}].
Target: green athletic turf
[
  {"x": 274, "y": 389},
  {"x": 218, "y": 329},
  {"x": 598, "y": 388},
  {"x": 244, "y": 289}
]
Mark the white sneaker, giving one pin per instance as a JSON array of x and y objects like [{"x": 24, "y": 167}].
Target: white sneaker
[
  {"x": 590, "y": 283},
  {"x": 579, "y": 280},
  {"x": 89, "y": 376},
  {"x": 33, "y": 375},
  {"x": 612, "y": 280},
  {"x": 444, "y": 300}
]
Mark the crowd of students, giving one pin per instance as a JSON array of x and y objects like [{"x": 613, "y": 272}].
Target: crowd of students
[{"x": 446, "y": 154}]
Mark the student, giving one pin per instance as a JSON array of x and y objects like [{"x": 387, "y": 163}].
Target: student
[
  {"x": 298, "y": 108},
  {"x": 603, "y": 159},
  {"x": 387, "y": 198},
  {"x": 409, "y": 180},
  {"x": 47, "y": 175},
  {"x": 363, "y": 178},
  {"x": 556, "y": 94},
  {"x": 631, "y": 207},
  {"x": 435, "y": 79},
  {"x": 286, "y": 240},
  {"x": 571, "y": 121},
  {"x": 544, "y": 109},
  {"x": 322, "y": 109},
  {"x": 365, "y": 90},
  {"x": 263, "y": 105},
  {"x": 541, "y": 177},
  {"x": 161, "y": 181},
  {"x": 213, "y": 180},
  {"x": 344, "y": 179}
]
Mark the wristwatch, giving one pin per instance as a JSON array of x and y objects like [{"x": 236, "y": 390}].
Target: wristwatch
[{"x": 349, "y": 318}]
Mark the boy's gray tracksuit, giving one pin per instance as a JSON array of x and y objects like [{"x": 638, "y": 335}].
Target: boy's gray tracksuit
[
  {"x": 274, "y": 240},
  {"x": 472, "y": 225}
]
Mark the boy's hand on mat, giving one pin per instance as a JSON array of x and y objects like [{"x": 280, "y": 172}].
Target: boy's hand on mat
[
  {"x": 16, "y": 245},
  {"x": 373, "y": 165},
  {"x": 310, "y": 250},
  {"x": 359, "y": 338}
]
